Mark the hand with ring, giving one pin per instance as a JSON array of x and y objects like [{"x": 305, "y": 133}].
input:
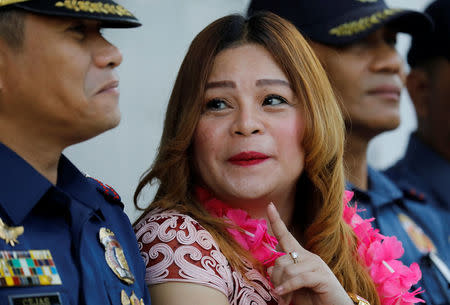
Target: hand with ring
[{"x": 302, "y": 277}]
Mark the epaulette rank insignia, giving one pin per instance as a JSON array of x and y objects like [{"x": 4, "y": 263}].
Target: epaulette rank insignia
[
  {"x": 107, "y": 191},
  {"x": 413, "y": 194}
]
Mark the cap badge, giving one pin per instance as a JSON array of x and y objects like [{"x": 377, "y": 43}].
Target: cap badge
[
  {"x": 7, "y": 2},
  {"x": 94, "y": 7},
  {"x": 10, "y": 234},
  {"x": 114, "y": 256},
  {"x": 362, "y": 24}
]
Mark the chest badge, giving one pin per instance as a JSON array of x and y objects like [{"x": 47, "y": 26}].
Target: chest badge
[
  {"x": 422, "y": 242},
  {"x": 10, "y": 234},
  {"x": 114, "y": 256}
]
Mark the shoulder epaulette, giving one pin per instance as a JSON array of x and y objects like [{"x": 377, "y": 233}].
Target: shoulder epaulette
[
  {"x": 413, "y": 194},
  {"x": 107, "y": 191}
]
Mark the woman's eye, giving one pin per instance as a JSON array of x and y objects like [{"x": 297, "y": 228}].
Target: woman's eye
[
  {"x": 216, "y": 104},
  {"x": 273, "y": 100}
]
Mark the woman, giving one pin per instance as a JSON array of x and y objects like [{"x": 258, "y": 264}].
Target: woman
[{"x": 252, "y": 119}]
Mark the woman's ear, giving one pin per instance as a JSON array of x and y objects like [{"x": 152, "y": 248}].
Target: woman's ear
[{"x": 418, "y": 84}]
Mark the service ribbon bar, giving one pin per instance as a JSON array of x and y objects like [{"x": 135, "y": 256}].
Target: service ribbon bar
[{"x": 28, "y": 268}]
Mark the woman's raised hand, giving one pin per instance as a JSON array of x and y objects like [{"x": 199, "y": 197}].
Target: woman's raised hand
[{"x": 302, "y": 277}]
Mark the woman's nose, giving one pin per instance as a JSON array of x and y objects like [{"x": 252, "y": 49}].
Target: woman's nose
[{"x": 248, "y": 122}]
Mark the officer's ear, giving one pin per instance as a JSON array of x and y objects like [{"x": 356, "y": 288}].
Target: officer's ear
[
  {"x": 418, "y": 83},
  {"x": 3, "y": 53}
]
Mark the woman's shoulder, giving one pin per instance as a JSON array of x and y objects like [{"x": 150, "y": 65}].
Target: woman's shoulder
[
  {"x": 167, "y": 225},
  {"x": 176, "y": 248},
  {"x": 175, "y": 234}
]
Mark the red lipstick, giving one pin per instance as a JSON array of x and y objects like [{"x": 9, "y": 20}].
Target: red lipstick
[{"x": 248, "y": 158}]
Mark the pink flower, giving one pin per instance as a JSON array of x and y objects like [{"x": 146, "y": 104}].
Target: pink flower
[{"x": 253, "y": 237}]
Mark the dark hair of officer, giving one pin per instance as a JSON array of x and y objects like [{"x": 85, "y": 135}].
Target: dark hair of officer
[
  {"x": 12, "y": 27},
  {"x": 319, "y": 223}
]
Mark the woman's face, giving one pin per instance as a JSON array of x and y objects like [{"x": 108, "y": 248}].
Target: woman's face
[{"x": 247, "y": 144}]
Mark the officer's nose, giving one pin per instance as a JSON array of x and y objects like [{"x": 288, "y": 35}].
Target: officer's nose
[
  {"x": 107, "y": 55},
  {"x": 387, "y": 60}
]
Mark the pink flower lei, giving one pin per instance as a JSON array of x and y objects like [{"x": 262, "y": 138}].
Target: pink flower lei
[{"x": 378, "y": 252}]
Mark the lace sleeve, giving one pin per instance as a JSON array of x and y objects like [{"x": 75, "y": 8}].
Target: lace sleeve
[{"x": 175, "y": 248}]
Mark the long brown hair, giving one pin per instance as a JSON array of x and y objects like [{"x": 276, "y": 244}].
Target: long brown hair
[{"x": 318, "y": 220}]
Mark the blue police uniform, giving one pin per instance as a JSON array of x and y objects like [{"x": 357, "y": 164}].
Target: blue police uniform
[
  {"x": 386, "y": 202},
  {"x": 64, "y": 220},
  {"x": 423, "y": 171}
]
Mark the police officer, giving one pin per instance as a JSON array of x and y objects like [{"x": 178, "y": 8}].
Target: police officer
[
  {"x": 425, "y": 168},
  {"x": 64, "y": 238},
  {"x": 355, "y": 41}
]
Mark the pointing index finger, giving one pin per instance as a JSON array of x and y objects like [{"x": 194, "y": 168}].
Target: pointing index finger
[{"x": 287, "y": 242}]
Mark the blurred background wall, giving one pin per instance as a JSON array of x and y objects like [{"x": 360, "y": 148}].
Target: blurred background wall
[{"x": 152, "y": 56}]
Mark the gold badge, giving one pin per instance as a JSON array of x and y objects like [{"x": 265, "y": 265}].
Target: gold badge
[
  {"x": 132, "y": 300},
  {"x": 422, "y": 242},
  {"x": 114, "y": 256},
  {"x": 10, "y": 234},
  {"x": 124, "y": 299},
  {"x": 135, "y": 301}
]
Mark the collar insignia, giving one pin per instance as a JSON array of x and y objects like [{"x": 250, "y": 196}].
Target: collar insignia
[{"x": 10, "y": 234}]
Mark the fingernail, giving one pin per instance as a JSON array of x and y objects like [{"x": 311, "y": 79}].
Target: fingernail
[{"x": 279, "y": 290}]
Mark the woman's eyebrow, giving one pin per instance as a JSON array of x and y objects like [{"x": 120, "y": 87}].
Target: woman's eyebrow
[
  {"x": 221, "y": 84},
  {"x": 266, "y": 82}
]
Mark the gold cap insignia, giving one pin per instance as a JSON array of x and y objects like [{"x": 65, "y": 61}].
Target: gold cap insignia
[
  {"x": 10, "y": 234},
  {"x": 8, "y": 2},
  {"x": 114, "y": 256},
  {"x": 362, "y": 24}
]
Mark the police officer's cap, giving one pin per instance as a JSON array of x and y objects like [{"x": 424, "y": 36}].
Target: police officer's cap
[
  {"x": 108, "y": 12},
  {"x": 438, "y": 43},
  {"x": 341, "y": 22}
]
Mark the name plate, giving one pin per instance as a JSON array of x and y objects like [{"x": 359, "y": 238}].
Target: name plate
[{"x": 35, "y": 299}]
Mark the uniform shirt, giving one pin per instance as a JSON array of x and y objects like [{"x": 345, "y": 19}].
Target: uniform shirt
[
  {"x": 423, "y": 171},
  {"x": 385, "y": 201},
  {"x": 65, "y": 219}
]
